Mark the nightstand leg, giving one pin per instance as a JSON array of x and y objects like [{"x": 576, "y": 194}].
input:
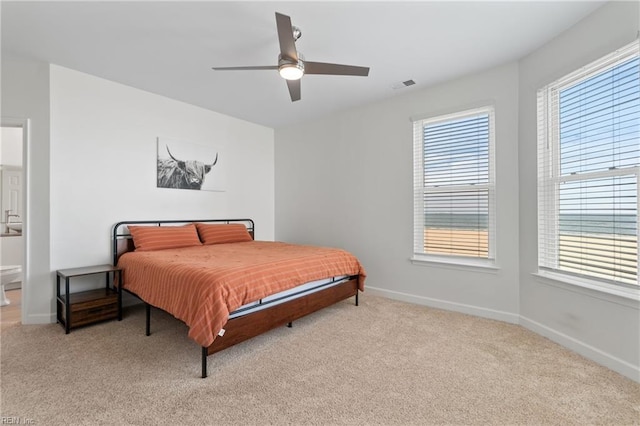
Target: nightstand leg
[
  {"x": 58, "y": 308},
  {"x": 67, "y": 321}
]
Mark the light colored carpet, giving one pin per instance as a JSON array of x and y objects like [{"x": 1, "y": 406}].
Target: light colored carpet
[{"x": 384, "y": 362}]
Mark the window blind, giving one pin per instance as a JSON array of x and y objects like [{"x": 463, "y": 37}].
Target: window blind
[
  {"x": 454, "y": 185},
  {"x": 588, "y": 170}
]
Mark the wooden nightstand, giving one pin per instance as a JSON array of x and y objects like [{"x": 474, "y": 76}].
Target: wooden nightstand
[{"x": 87, "y": 307}]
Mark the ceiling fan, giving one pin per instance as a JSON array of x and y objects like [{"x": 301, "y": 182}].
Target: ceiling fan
[{"x": 291, "y": 63}]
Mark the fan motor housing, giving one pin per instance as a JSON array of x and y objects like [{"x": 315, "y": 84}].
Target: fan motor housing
[{"x": 284, "y": 63}]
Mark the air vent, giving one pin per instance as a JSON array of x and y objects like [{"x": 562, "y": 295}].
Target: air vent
[{"x": 403, "y": 84}]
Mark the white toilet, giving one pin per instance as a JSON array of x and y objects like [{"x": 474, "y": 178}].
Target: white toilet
[{"x": 8, "y": 274}]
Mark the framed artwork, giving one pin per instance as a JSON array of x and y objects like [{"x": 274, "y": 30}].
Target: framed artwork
[{"x": 186, "y": 165}]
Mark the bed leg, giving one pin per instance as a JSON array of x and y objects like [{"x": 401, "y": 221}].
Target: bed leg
[
  {"x": 205, "y": 352},
  {"x": 148, "y": 316},
  {"x": 357, "y": 297},
  {"x": 290, "y": 324}
]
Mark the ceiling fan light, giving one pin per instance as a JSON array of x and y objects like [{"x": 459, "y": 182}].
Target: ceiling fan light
[{"x": 291, "y": 71}]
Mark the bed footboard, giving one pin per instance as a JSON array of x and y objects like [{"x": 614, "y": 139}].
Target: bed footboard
[{"x": 243, "y": 328}]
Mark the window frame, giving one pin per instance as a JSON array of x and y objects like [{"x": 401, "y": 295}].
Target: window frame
[
  {"x": 485, "y": 264},
  {"x": 550, "y": 178}
]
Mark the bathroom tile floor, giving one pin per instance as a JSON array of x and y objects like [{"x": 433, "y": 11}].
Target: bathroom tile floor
[{"x": 10, "y": 314}]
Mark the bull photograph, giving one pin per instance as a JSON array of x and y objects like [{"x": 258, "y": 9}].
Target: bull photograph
[{"x": 183, "y": 165}]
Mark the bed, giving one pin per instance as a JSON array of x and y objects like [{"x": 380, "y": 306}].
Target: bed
[{"x": 225, "y": 286}]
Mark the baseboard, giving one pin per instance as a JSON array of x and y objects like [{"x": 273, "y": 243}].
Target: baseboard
[
  {"x": 619, "y": 366},
  {"x": 449, "y": 306},
  {"x": 40, "y": 319}
]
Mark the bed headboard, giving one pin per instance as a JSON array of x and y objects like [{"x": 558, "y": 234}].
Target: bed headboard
[{"x": 123, "y": 242}]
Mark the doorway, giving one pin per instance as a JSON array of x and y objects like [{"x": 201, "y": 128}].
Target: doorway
[{"x": 13, "y": 219}]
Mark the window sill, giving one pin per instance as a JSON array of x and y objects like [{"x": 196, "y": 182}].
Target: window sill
[
  {"x": 476, "y": 265},
  {"x": 609, "y": 292}
]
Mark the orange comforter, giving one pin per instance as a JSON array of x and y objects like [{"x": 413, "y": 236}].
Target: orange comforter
[{"x": 201, "y": 285}]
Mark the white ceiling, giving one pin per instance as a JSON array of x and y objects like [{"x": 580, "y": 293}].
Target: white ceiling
[{"x": 169, "y": 48}]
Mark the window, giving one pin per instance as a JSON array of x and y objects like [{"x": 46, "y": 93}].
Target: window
[
  {"x": 454, "y": 186},
  {"x": 588, "y": 171}
]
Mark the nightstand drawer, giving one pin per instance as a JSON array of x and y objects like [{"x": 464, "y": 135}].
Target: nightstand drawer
[
  {"x": 90, "y": 315},
  {"x": 89, "y": 307}
]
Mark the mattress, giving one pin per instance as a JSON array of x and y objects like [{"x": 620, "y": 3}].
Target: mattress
[{"x": 285, "y": 296}]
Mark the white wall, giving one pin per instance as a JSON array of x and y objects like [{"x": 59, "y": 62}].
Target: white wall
[
  {"x": 103, "y": 163},
  {"x": 604, "y": 328},
  {"x": 11, "y": 146},
  {"x": 346, "y": 180},
  {"x": 25, "y": 95}
]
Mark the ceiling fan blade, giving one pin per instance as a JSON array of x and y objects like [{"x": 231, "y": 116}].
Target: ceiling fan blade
[
  {"x": 285, "y": 37},
  {"x": 334, "y": 69},
  {"x": 266, "y": 67},
  {"x": 294, "y": 89}
]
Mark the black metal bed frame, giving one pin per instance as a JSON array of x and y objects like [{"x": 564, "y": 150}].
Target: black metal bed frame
[{"x": 120, "y": 236}]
